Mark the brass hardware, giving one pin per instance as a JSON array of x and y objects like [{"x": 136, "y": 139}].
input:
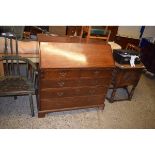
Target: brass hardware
[
  {"x": 62, "y": 74},
  {"x": 60, "y": 93},
  {"x": 61, "y": 83}
]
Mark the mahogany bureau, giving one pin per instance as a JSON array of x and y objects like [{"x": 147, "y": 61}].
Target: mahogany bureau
[{"x": 73, "y": 75}]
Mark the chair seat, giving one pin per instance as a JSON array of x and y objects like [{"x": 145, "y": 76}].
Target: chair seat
[{"x": 11, "y": 85}]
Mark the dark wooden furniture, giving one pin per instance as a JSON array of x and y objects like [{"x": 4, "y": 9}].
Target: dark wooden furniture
[
  {"x": 113, "y": 34},
  {"x": 124, "y": 76},
  {"x": 123, "y": 41},
  {"x": 71, "y": 30},
  {"x": 132, "y": 47},
  {"x": 17, "y": 79},
  {"x": 148, "y": 55},
  {"x": 73, "y": 74}
]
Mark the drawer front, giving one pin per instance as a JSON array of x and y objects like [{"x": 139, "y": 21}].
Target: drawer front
[
  {"x": 75, "y": 74},
  {"x": 71, "y": 102},
  {"x": 59, "y": 74},
  {"x": 127, "y": 77},
  {"x": 74, "y": 83},
  {"x": 96, "y": 73},
  {"x": 51, "y": 93}
]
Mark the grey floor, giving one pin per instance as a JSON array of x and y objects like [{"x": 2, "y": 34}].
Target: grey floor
[{"x": 138, "y": 113}]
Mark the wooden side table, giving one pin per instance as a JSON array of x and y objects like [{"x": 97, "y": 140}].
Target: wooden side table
[{"x": 123, "y": 77}]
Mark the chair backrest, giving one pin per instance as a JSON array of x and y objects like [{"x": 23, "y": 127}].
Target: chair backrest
[
  {"x": 96, "y": 33},
  {"x": 132, "y": 47},
  {"x": 18, "y": 66},
  {"x": 9, "y": 42}
]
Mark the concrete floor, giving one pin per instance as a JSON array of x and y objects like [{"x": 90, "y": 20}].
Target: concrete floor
[{"x": 137, "y": 113}]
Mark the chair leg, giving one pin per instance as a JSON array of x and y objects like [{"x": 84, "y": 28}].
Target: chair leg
[
  {"x": 37, "y": 99},
  {"x": 31, "y": 104},
  {"x": 15, "y": 97}
]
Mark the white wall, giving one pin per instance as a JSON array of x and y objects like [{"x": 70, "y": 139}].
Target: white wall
[
  {"x": 59, "y": 30},
  {"x": 129, "y": 31},
  {"x": 134, "y": 31},
  {"x": 149, "y": 31}
]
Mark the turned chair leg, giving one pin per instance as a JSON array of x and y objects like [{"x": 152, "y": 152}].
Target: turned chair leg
[
  {"x": 37, "y": 99},
  {"x": 15, "y": 97},
  {"x": 31, "y": 105}
]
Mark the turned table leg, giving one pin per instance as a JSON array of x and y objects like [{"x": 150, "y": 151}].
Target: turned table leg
[{"x": 113, "y": 95}]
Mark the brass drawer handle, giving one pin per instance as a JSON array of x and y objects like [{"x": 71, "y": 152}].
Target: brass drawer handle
[
  {"x": 62, "y": 74},
  {"x": 60, "y": 93},
  {"x": 96, "y": 72},
  {"x": 91, "y": 91},
  {"x": 61, "y": 83}
]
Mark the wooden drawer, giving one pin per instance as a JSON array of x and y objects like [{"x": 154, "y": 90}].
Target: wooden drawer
[
  {"x": 71, "y": 102},
  {"x": 59, "y": 74},
  {"x": 96, "y": 73},
  {"x": 74, "y": 74},
  {"x": 126, "y": 77},
  {"x": 74, "y": 83},
  {"x": 71, "y": 92}
]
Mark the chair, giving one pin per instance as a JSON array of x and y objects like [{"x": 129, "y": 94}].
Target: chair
[
  {"x": 10, "y": 38},
  {"x": 19, "y": 74},
  {"x": 96, "y": 33},
  {"x": 17, "y": 79},
  {"x": 124, "y": 76}
]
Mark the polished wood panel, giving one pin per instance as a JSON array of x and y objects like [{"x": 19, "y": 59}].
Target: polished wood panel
[
  {"x": 73, "y": 82},
  {"x": 75, "y": 73},
  {"x": 48, "y": 93},
  {"x": 75, "y": 55},
  {"x": 72, "y": 102}
]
